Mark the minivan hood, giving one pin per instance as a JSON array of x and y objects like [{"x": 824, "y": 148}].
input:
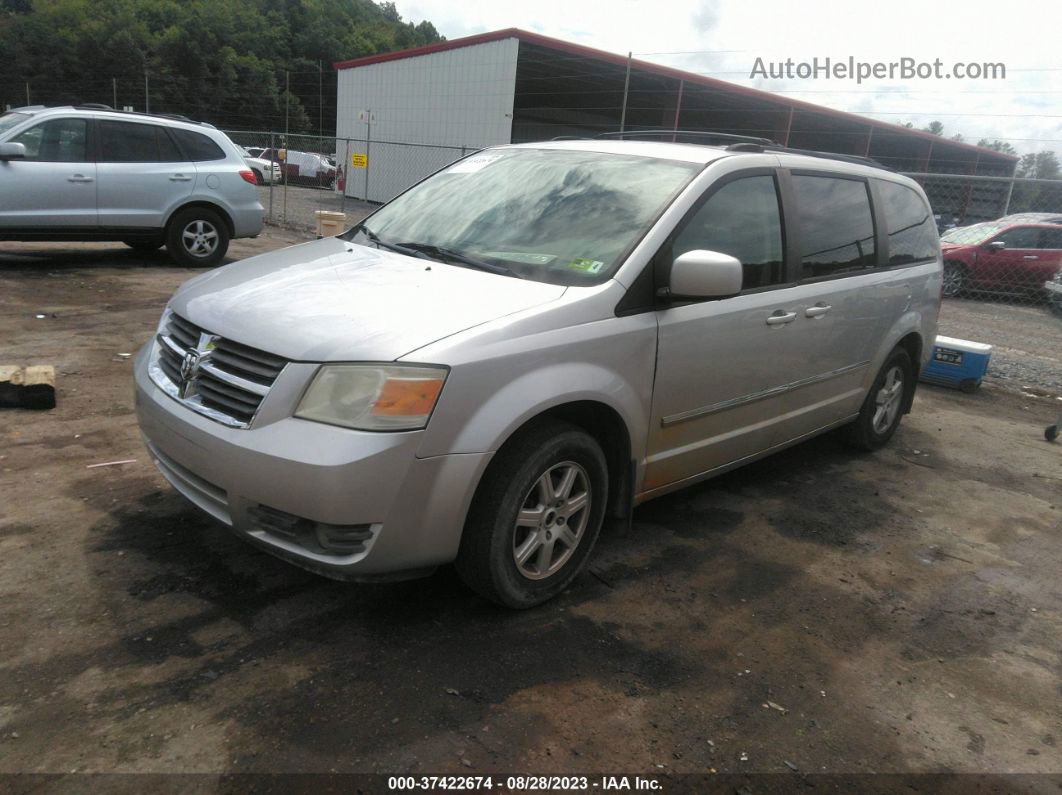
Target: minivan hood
[{"x": 331, "y": 300}]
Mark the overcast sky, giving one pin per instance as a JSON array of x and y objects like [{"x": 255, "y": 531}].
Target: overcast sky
[{"x": 723, "y": 38}]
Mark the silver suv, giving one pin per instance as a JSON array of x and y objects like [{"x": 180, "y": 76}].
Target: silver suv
[
  {"x": 90, "y": 173},
  {"x": 536, "y": 338}
]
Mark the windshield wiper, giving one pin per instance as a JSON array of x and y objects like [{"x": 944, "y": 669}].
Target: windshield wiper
[
  {"x": 449, "y": 255},
  {"x": 409, "y": 252}
]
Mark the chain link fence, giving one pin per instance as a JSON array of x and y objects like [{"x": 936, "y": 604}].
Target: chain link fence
[
  {"x": 1001, "y": 239},
  {"x": 1001, "y": 236},
  {"x": 299, "y": 175}
]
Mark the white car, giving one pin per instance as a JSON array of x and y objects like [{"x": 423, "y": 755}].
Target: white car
[{"x": 264, "y": 171}]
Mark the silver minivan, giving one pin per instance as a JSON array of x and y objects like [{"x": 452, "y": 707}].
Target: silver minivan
[
  {"x": 92, "y": 173},
  {"x": 534, "y": 339}
]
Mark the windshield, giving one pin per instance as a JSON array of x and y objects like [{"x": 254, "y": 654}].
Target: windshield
[
  {"x": 557, "y": 216},
  {"x": 971, "y": 235},
  {"x": 9, "y": 120}
]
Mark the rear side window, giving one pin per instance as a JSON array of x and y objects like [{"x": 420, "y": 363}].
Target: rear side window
[
  {"x": 197, "y": 146},
  {"x": 1051, "y": 238},
  {"x": 126, "y": 142},
  {"x": 56, "y": 141},
  {"x": 910, "y": 226},
  {"x": 741, "y": 219},
  {"x": 836, "y": 226}
]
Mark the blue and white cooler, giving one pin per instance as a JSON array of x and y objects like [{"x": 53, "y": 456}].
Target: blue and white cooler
[{"x": 960, "y": 364}]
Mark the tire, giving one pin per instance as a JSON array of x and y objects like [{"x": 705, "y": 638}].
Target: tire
[
  {"x": 145, "y": 245},
  {"x": 516, "y": 513},
  {"x": 1051, "y": 432},
  {"x": 197, "y": 237},
  {"x": 883, "y": 408},
  {"x": 257, "y": 176},
  {"x": 954, "y": 280}
]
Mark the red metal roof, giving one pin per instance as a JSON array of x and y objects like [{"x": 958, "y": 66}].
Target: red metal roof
[{"x": 645, "y": 66}]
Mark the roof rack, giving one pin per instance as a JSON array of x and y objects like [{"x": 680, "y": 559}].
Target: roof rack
[
  {"x": 716, "y": 136},
  {"x": 789, "y": 150},
  {"x": 93, "y": 106},
  {"x": 737, "y": 143}
]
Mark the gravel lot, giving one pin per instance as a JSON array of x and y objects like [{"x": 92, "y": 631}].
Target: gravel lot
[
  {"x": 818, "y": 612},
  {"x": 1027, "y": 340}
]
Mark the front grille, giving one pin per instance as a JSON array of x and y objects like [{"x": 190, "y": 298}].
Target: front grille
[{"x": 220, "y": 378}]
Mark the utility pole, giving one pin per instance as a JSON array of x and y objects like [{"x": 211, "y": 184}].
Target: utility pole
[
  {"x": 626, "y": 87},
  {"x": 147, "y": 94},
  {"x": 114, "y": 93}
]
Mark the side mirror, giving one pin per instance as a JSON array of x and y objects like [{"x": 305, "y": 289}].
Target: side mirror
[
  {"x": 12, "y": 151},
  {"x": 997, "y": 245},
  {"x": 705, "y": 274}
]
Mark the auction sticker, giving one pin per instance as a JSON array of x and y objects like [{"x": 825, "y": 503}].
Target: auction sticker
[
  {"x": 470, "y": 165},
  {"x": 585, "y": 265}
]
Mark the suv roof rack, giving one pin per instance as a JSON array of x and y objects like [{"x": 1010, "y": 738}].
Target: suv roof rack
[
  {"x": 92, "y": 106},
  {"x": 716, "y": 136}
]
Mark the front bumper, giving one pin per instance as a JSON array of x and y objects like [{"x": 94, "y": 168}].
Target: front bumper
[{"x": 410, "y": 511}]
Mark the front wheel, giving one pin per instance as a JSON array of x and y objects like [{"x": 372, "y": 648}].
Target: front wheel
[
  {"x": 883, "y": 408},
  {"x": 954, "y": 280},
  {"x": 536, "y": 516},
  {"x": 197, "y": 238}
]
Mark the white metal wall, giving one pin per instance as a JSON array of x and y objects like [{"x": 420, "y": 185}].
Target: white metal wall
[{"x": 449, "y": 100}]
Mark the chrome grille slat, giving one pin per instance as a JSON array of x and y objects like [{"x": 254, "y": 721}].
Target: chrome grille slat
[{"x": 229, "y": 379}]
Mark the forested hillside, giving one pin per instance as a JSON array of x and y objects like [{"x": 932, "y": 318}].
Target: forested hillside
[{"x": 222, "y": 61}]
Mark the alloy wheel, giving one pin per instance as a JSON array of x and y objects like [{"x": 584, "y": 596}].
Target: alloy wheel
[
  {"x": 888, "y": 400},
  {"x": 552, "y": 520},
  {"x": 200, "y": 238}
]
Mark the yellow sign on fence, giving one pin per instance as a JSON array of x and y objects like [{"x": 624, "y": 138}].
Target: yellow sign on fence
[{"x": 359, "y": 161}]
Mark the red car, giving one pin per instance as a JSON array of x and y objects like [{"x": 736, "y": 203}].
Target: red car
[{"x": 1001, "y": 256}]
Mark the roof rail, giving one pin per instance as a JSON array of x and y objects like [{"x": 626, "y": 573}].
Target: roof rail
[
  {"x": 92, "y": 106},
  {"x": 716, "y": 136},
  {"x": 789, "y": 150}
]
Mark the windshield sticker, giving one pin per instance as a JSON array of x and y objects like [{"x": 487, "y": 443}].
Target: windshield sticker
[
  {"x": 585, "y": 265},
  {"x": 471, "y": 165},
  {"x": 520, "y": 256}
]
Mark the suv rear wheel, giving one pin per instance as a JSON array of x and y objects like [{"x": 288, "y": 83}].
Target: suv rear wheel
[
  {"x": 197, "y": 237},
  {"x": 536, "y": 516}
]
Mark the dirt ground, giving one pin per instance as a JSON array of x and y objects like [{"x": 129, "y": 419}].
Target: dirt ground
[{"x": 821, "y": 611}]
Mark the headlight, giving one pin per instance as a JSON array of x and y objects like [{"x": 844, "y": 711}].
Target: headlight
[{"x": 371, "y": 397}]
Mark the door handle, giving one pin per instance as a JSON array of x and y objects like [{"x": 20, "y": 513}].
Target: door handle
[
  {"x": 817, "y": 311},
  {"x": 1030, "y": 256},
  {"x": 180, "y": 178},
  {"x": 780, "y": 317},
  {"x": 79, "y": 178}
]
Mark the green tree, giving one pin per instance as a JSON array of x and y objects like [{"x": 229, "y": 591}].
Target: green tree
[
  {"x": 997, "y": 145},
  {"x": 222, "y": 61}
]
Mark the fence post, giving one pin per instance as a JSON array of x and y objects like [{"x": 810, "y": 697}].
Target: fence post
[
  {"x": 1010, "y": 189},
  {"x": 272, "y": 176}
]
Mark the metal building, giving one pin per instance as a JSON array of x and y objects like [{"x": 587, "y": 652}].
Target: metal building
[{"x": 411, "y": 112}]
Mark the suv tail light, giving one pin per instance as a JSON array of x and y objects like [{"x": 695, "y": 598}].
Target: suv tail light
[{"x": 248, "y": 176}]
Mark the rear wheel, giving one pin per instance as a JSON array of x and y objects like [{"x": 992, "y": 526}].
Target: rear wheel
[
  {"x": 258, "y": 176},
  {"x": 536, "y": 516},
  {"x": 955, "y": 281},
  {"x": 883, "y": 408},
  {"x": 197, "y": 237}
]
